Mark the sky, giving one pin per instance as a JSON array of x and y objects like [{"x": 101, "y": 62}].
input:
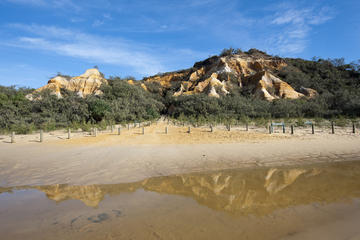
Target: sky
[{"x": 40, "y": 38}]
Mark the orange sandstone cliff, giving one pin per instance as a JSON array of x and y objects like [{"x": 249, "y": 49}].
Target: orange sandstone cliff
[
  {"x": 83, "y": 85},
  {"x": 216, "y": 76}
]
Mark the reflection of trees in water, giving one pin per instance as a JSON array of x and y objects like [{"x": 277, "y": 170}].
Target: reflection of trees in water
[{"x": 248, "y": 191}]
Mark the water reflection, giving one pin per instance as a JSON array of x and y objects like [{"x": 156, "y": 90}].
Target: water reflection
[{"x": 247, "y": 191}]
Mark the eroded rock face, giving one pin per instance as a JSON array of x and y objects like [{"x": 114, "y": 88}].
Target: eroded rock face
[
  {"x": 309, "y": 92},
  {"x": 83, "y": 85},
  {"x": 217, "y": 75}
]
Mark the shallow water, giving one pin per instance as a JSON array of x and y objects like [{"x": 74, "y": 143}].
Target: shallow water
[{"x": 304, "y": 202}]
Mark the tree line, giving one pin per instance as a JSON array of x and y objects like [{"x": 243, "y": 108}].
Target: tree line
[{"x": 120, "y": 103}]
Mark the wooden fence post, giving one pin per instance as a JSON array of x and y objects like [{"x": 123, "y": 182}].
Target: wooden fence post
[
  {"x": 292, "y": 129},
  {"x": 312, "y": 128},
  {"x": 211, "y": 128},
  {"x": 69, "y": 133},
  {"x": 41, "y": 135},
  {"x": 13, "y": 137},
  {"x": 119, "y": 130},
  {"x": 143, "y": 131},
  {"x": 166, "y": 130},
  {"x": 283, "y": 128},
  {"x": 354, "y": 128},
  {"x": 332, "y": 128},
  {"x": 189, "y": 129}
]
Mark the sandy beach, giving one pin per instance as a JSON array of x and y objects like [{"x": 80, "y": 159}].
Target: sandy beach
[
  {"x": 132, "y": 156},
  {"x": 180, "y": 185}
]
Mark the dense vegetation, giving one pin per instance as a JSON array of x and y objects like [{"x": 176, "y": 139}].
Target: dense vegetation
[
  {"x": 337, "y": 83},
  {"x": 120, "y": 103}
]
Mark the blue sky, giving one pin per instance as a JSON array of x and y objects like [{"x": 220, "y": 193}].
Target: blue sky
[{"x": 139, "y": 38}]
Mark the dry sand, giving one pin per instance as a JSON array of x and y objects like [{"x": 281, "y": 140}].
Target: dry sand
[{"x": 132, "y": 156}]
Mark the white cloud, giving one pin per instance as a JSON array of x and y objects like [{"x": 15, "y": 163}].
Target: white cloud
[
  {"x": 77, "y": 20},
  {"x": 107, "y": 16},
  {"x": 29, "y": 2},
  {"x": 291, "y": 16},
  {"x": 141, "y": 58},
  {"x": 60, "y": 4},
  {"x": 98, "y": 23},
  {"x": 80, "y": 45},
  {"x": 295, "y": 25},
  {"x": 325, "y": 14},
  {"x": 307, "y": 16},
  {"x": 48, "y": 31},
  {"x": 282, "y": 29}
]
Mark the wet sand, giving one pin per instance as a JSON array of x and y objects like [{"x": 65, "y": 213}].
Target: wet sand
[
  {"x": 313, "y": 201},
  {"x": 203, "y": 185},
  {"x": 109, "y": 158}
]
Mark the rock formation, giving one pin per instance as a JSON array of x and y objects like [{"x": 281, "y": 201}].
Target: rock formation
[
  {"x": 83, "y": 85},
  {"x": 309, "y": 92},
  {"x": 216, "y": 76}
]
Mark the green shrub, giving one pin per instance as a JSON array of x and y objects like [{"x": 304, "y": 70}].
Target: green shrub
[
  {"x": 341, "y": 121},
  {"x": 300, "y": 122},
  {"x": 261, "y": 122}
]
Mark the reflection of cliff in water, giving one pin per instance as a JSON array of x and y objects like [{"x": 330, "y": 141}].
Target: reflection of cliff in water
[{"x": 248, "y": 191}]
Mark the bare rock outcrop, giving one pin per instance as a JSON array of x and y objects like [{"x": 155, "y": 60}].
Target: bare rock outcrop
[
  {"x": 309, "y": 92},
  {"x": 83, "y": 85},
  {"x": 216, "y": 76}
]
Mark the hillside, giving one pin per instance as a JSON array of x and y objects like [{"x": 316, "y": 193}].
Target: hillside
[
  {"x": 235, "y": 86},
  {"x": 218, "y": 75}
]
